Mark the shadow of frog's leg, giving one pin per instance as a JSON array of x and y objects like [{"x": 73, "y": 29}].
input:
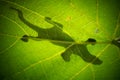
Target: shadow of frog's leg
[
  {"x": 25, "y": 38},
  {"x": 21, "y": 17},
  {"x": 49, "y": 20},
  {"x": 82, "y": 51},
  {"x": 66, "y": 55}
]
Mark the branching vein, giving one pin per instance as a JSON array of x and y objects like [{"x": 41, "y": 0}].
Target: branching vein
[{"x": 86, "y": 66}]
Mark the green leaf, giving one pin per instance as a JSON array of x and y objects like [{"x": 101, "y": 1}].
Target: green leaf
[
  {"x": 57, "y": 36},
  {"x": 59, "y": 40}
]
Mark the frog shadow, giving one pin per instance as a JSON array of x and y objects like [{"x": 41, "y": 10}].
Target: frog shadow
[{"x": 58, "y": 37}]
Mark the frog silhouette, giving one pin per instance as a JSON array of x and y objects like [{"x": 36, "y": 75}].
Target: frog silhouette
[{"x": 57, "y": 36}]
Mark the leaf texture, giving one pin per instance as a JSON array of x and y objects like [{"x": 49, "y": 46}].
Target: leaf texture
[{"x": 59, "y": 40}]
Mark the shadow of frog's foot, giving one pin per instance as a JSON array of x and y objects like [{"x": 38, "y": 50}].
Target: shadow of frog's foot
[
  {"x": 25, "y": 38},
  {"x": 66, "y": 56},
  {"x": 97, "y": 61}
]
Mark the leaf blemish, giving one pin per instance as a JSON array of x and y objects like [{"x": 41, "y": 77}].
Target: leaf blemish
[
  {"x": 97, "y": 30},
  {"x": 68, "y": 18}
]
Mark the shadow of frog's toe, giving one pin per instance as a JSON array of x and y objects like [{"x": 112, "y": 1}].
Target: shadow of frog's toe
[
  {"x": 66, "y": 57},
  {"x": 25, "y": 38},
  {"x": 97, "y": 61}
]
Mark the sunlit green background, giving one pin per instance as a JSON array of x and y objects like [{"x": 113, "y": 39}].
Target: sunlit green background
[{"x": 41, "y": 60}]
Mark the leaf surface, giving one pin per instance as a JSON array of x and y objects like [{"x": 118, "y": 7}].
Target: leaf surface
[{"x": 60, "y": 45}]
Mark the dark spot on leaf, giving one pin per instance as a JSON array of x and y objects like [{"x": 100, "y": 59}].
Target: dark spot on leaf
[
  {"x": 91, "y": 40},
  {"x": 25, "y": 38}
]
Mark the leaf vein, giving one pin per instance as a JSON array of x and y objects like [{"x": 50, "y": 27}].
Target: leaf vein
[
  {"x": 33, "y": 12},
  {"x": 46, "y": 59},
  {"x": 117, "y": 26},
  {"x": 15, "y": 23},
  {"x": 1, "y": 52},
  {"x": 76, "y": 74}
]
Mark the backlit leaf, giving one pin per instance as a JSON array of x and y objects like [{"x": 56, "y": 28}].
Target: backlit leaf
[{"x": 59, "y": 39}]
